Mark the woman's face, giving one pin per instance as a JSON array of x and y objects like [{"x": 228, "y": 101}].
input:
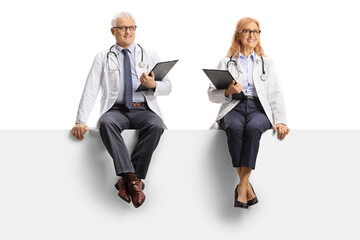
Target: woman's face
[{"x": 248, "y": 38}]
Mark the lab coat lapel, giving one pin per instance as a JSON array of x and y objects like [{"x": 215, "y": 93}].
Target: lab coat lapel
[
  {"x": 238, "y": 65},
  {"x": 113, "y": 62},
  {"x": 137, "y": 59},
  {"x": 257, "y": 68}
]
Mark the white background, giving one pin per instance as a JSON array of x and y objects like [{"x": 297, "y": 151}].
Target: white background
[{"x": 47, "y": 48}]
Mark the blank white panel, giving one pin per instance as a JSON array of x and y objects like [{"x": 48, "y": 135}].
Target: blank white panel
[{"x": 55, "y": 187}]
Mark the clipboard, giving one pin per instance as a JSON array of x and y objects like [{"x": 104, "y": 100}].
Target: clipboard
[
  {"x": 221, "y": 80},
  {"x": 160, "y": 70}
]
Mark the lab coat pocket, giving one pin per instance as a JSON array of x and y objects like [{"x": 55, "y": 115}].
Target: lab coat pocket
[
  {"x": 113, "y": 67},
  {"x": 114, "y": 77}
]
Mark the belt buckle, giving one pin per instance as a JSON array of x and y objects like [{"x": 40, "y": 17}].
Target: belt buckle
[
  {"x": 249, "y": 97},
  {"x": 138, "y": 104}
]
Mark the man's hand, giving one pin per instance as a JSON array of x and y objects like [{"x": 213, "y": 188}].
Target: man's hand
[
  {"x": 282, "y": 130},
  {"x": 233, "y": 87},
  {"x": 79, "y": 130},
  {"x": 148, "y": 81}
]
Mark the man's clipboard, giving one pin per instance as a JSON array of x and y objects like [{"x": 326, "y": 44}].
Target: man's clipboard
[
  {"x": 221, "y": 80},
  {"x": 160, "y": 70}
]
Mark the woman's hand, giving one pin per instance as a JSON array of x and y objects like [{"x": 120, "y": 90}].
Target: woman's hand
[
  {"x": 234, "y": 87},
  {"x": 282, "y": 130}
]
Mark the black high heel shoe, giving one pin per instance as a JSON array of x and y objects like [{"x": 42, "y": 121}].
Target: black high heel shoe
[
  {"x": 254, "y": 200},
  {"x": 237, "y": 203}
]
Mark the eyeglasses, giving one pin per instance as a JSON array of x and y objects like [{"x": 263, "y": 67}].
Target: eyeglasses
[
  {"x": 124, "y": 28},
  {"x": 248, "y": 32}
]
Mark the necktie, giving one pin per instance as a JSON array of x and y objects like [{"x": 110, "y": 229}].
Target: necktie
[{"x": 128, "y": 80}]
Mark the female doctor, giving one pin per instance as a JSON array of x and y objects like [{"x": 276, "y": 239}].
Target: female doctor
[{"x": 260, "y": 108}]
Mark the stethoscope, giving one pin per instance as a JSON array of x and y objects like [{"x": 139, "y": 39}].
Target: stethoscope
[
  {"x": 263, "y": 75},
  {"x": 141, "y": 63}
]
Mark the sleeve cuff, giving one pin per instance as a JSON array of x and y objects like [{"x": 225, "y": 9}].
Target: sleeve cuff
[{"x": 228, "y": 99}]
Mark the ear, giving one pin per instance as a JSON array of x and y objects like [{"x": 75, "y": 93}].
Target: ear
[{"x": 112, "y": 31}]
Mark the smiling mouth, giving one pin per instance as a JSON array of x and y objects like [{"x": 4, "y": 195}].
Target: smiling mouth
[{"x": 251, "y": 40}]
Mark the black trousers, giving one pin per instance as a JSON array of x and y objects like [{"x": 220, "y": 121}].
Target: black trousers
[
  {"x": 244, "y": 125},
  {"x": 150, "y": 127}
]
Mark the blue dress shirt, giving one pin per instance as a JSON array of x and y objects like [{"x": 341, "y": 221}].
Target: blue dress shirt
[{"x": 246, "y": 65}]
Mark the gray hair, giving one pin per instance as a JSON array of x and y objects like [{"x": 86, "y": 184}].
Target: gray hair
[{"x": 121, "y": 15}]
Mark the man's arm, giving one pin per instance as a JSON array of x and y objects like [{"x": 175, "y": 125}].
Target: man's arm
[{"x": 91, "y": 90}]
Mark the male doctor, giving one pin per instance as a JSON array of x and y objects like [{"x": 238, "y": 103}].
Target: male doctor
[{"x": 118, "y": 72}]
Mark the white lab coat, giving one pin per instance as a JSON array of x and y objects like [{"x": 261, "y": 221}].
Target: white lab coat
[
  {"x": 268, "y": 91},
  {"x": 105, "y": 75}
]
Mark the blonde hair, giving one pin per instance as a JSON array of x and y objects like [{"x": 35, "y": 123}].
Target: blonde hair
[{"x": 236, "y": 44}]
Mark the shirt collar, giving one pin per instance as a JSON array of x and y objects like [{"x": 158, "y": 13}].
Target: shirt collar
[
  {"x": 131, "y": 48},
  {"x": 251, "y": 56}
]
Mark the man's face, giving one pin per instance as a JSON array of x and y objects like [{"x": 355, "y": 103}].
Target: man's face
[{"x": 124, "y": 37}]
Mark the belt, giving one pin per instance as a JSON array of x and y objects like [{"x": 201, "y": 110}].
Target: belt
[
  {"x": 250, "y": 98},
  {"x": 245, "y": 98},
  {"x": 134, "y": 104}
]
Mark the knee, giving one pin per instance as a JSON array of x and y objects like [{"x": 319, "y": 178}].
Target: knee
[
  {"x": 106, "y": 124},
  {"x": 234, "y": 127},
  {"x": 156, "y": 127},
  {"x": 254, "y": 129}
]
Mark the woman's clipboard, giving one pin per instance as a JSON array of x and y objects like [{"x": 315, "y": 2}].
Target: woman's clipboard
[
  {"x": 221, "y": 80},
  {"x": 160, "y": 70}
]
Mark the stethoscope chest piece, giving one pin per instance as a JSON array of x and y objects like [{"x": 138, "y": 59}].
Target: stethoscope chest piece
[
  {"x": 141, "y": 64},
  {"x": 263, "y": 77}
]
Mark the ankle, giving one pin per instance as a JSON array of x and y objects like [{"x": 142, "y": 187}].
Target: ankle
[{"x": 130, "y": 177}]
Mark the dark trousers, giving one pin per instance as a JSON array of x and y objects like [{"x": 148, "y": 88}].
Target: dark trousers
[
  {"x": 244, "y": 125},
  {"x": 150, "y": 127}
]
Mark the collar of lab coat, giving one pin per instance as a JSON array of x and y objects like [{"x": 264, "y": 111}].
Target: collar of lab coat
[
  {"x": 113, "y": 60},
  {"x": 137, "y": 59},
  {"x": 257, "y": 62},
  {"x": 133, "y": 47}
]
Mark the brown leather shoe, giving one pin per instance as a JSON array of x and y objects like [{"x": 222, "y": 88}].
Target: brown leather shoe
[
  {"x": 123, "y": 191},
  {"x": 136, "y": 193}
]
